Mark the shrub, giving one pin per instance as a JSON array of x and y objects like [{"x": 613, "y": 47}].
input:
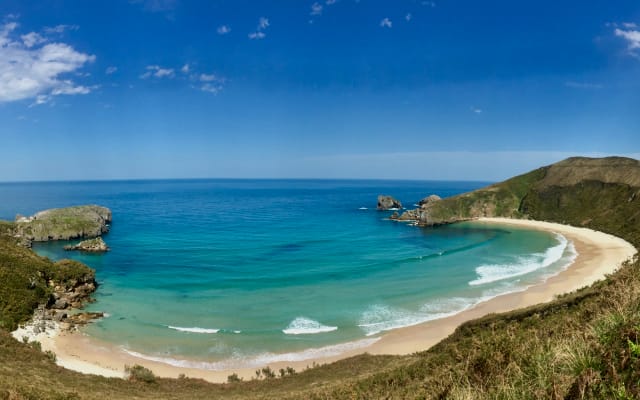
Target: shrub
[
  {"x": 233, "y": 378},
  {"x": 138, "y": 373}
]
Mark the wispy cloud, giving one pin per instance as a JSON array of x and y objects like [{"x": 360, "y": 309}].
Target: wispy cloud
[
  {"x": 386, "y": 23},
  {"x": 263, "y": 24},
  {"x": 223, "y": 29},
  {"x": 476, "y": 110},
  {"x": 316, "y": 9},
  {"x": 210, "y": 83},
  {"x": 157, "y": 5},
  {"x": 330, "y": 2},
  {"x": 408, "y": 17},
  {"x": 32, "y": 38},
  {"x": 111, "y": 70},
  {"x": 60, "y": 29},
  {"x": 583, "y": 85},
  {"x": 157, "y": 71},
  {"x": 632, "y": 37},
  {"x": 31, "y": 69}
]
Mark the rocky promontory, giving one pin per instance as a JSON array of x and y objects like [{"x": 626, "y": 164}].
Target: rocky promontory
[
  {"x": 96, "y": 245},
  {"x": 388, "y": 203},
  {"x": 63, "y": 224},
  {"x": 543, "y": 194}
]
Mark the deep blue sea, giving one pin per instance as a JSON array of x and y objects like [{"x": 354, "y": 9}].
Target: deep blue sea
[{"x": 224, "y": 273}]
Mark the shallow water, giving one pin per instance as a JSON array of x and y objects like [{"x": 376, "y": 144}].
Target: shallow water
[{"x": 240, "y": 272}]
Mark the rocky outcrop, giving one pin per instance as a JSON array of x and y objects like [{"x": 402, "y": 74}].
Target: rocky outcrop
[
  {"x": 429, "y": 199},
  {"x": 71, "y": 294},
  {"x": 63, "y": 224},
  {"x": 388, "y": 203},
  {"x": 96, "y": 245}
]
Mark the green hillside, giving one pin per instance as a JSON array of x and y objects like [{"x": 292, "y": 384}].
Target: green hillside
[{"x": 583, "y": 345}]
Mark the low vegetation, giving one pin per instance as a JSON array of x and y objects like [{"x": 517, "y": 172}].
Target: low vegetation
[{"x": 583, "y": 345}]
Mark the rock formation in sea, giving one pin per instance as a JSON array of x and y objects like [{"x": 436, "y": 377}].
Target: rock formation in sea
[
  {"x": 63, "y": 224},
  {"x": 95, "y": 245},
  {"x": 387, "y": 202}
]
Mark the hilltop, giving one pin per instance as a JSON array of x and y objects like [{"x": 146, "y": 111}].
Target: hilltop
[{"x": 582, "y": 345}]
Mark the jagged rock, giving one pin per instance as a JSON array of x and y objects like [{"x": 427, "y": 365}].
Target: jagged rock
[
  {"x": 60, "y": 316},
  {"x": 429, "y": 199},
  {"x": 83, "y": 318},
  {"x": 96, "y": 245},
  {"x": 409, "y": 215},
  {"x": 388, "y": 203},
  {"x": 395, "y": 215},
  {"x": 60, "y": 304}
]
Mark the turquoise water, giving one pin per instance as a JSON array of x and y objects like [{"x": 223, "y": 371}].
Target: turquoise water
[{"x": 224, "y": 273}]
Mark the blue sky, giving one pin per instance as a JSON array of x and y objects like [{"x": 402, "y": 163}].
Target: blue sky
[{"x": 399, "y": 89}]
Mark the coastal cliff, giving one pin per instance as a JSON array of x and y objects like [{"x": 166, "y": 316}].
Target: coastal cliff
[
  {"x": 609, "y": 187},
  {"x": 63, "y": 224}
]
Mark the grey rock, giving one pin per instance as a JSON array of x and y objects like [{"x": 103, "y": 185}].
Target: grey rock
[{"x": 387, "y": 202}]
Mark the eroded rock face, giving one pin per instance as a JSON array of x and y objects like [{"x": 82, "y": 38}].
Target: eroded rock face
[
  {"x": 387, "y": 203},
  {"x": 96, "y": 245}
]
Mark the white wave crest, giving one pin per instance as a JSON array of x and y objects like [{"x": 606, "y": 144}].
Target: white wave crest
[
  {"x": 363, "y": 208},
  {"x": 260, "y": 360},
  {"x": 193, "y": 330},
  {"x": 379, "y": 318},
  {"x": 306, "y": 326},
  {"x": 524, "y": 265}
]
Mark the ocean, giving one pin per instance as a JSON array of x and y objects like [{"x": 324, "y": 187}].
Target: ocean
[{"x": 220, "y": 274}]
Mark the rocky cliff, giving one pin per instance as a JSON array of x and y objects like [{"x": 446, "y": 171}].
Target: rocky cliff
[
  {"x": 63, "y": 224},
  {"x": 559, "y": 192}
]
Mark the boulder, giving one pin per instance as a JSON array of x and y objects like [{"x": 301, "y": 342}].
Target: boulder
[
  {"x": 388, "y": 203},
  {"x": 96, "y": 245}
]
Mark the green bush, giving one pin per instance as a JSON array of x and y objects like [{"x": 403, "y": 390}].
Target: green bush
[{"x": 138, "y": 373}]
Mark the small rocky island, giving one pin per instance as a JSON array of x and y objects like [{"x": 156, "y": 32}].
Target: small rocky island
[
  {"x": 63, "y": 224},
  {"x": 96, "y": 245}
]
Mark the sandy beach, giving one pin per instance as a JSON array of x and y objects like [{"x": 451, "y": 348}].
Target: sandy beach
[{"x": 599, "y": 254}]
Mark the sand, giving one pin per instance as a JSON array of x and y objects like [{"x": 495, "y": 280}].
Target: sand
[{"x": 599, "y": 254}]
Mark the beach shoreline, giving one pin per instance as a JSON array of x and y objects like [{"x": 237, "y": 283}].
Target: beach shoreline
[{"x": 598, "y": 254}]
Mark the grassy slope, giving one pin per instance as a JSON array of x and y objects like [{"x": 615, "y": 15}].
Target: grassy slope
[{"x": 582, "y": 345}]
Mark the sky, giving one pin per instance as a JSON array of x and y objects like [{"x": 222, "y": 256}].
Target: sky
[{"x": 380, "y": 89}]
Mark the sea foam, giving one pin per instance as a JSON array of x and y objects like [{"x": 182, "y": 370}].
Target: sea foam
[
  {"x": 496, "y": 272},
  {"x": 379, "y": 318},
  {"x": 306, "y": 326},
  {"x": 193, "y": 330},
  {"x": 253, "y": 361}
]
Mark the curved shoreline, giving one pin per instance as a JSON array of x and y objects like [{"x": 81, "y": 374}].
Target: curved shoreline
[{"x": 598, "y": 254}]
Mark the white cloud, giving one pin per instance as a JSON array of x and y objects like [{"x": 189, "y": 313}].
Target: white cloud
[
  {"x": 316, "y": 9},
  {"x": 32, "y": 38},
  {"x": 263, "y": 24},
  {"x": 60, "y": 29},
  {"x": 408, "y": 17},
  {"x": 208, "y": 77},
  {"x": 223, "y": 29},
  {"x": 631, "y": 36},
  {"x": 111, "y": 70},
  {"x": 257, "y": 35},
  {"x": 476, "y": 110},
  {"x": 330, "y": 2},
  {"x": 30, "y": 71},
  {"x": 630, "y": 25},
  {"x": 185, "y": 69},
  {"x": 157, "y": 71},
  {"x": 386, "y": 23},
  {"x": 583, "y": 85},
  {"x": 214, "y": 88}
]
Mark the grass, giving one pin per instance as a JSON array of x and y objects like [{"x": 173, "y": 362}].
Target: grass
[{"x": 583, "y": 345}]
